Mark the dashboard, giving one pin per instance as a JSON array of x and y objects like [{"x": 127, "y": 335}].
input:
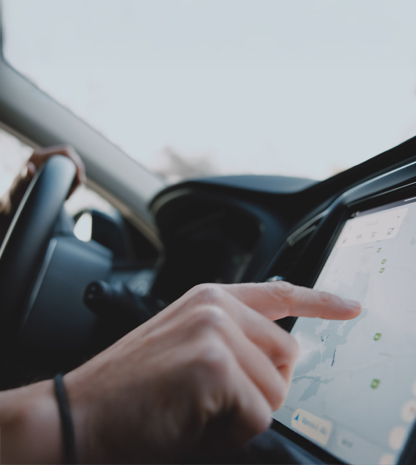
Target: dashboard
[{"x": 220, "y": 232}]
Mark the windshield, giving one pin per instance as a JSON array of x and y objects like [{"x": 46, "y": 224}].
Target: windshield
[{"x": 192, "y": 88}]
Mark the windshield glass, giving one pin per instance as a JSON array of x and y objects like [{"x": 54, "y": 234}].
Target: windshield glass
[{"x": 190, "y": 88}]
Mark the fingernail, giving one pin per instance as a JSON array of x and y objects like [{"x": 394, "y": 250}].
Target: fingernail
[{"x": 353, "y": 304}]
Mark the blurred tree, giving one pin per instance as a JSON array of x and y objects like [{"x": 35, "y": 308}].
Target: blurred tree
[{"x": 174, "y": 166}]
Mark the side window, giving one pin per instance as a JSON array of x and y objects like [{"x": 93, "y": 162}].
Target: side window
[{"x": 13, "y": 155}]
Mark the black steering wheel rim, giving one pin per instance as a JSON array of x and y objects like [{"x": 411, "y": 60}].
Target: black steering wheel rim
[{"x": 26, "y": 241}]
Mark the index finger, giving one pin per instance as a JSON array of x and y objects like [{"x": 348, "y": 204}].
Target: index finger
[{"x": 281, "y": 299}]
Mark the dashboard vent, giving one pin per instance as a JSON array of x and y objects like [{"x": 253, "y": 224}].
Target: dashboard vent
[{"x": 294, "y": 246}]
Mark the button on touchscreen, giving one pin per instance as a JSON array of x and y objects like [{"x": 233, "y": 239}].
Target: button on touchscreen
[{"x": 354, "y": 386}]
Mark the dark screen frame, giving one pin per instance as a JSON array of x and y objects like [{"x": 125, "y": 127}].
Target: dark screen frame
[{"x": 342, "y": 210}]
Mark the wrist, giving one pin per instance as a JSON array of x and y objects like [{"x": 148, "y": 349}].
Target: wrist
[
  {"x": 31, "y": 429},
  {"x": 81, "y": 402}
]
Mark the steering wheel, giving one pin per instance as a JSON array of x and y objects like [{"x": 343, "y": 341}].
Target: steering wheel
[{"x": 27, "y": 239}]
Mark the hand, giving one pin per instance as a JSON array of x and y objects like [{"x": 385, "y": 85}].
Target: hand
[
  {"x": 37, "y": 159},
  {"x": 10, "y": 201},
  {"x": 207, "y": 372}
]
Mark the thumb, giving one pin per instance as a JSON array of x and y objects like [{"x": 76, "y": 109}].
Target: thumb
[{"x": 20, "y": 184}]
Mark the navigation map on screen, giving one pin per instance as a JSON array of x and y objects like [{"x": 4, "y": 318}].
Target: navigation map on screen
[{"x": 354, "y": 387}]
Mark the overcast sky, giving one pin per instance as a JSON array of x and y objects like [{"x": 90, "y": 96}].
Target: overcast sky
[{"x": 264, "y": 86}]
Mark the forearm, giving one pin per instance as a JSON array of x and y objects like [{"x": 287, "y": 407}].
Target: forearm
[{"x": 30, "y": 427}]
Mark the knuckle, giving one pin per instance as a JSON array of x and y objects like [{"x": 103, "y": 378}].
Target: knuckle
[
  {"x": 212, "y": 358},
  {"x": 279, "y": 397},
  {"x": 208, "y": 294},
  {"x": 285, "y": 290},
  {"x": 209, "y": 317},
  {"x": 325, "y": 299},
  {"x": 288, "y": 350}
]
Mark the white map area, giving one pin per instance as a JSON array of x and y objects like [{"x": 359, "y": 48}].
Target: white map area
[{"x": 358, "y": 374}]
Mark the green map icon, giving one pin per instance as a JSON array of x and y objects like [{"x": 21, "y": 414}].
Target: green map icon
[{"x": 375, "y": 383}]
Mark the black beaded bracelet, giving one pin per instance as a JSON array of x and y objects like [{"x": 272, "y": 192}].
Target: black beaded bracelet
[{"x": 66, "y": 419}]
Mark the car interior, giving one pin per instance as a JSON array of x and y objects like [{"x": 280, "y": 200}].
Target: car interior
[{"x": 63, "y": 299}]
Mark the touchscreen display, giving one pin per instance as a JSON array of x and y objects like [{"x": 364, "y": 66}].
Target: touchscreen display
[{"x": 354, "y": 386}]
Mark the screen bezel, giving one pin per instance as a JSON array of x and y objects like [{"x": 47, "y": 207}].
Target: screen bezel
[{"x": 349, "y": 210}]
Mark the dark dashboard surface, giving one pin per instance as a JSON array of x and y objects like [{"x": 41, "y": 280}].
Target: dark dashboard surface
[{"x": 239, "y": 229}]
